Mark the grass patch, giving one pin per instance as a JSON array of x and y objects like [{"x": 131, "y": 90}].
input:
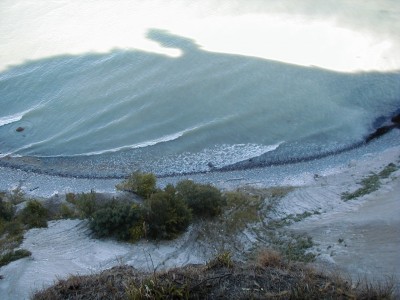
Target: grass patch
[
  {"x": 371, "y": 183},
  {"x": 368, "y": 185},
  {"x": 388, "y": 170},
  {"x": 291, "y": 218},
  {"x": 297, "y": 249},
  {"x": 242, "y": 209},
  {"x": 222, "y": 260},
  {"x": 13, "y": 255}
]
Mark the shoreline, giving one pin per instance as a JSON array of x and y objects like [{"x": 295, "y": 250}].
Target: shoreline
[
  {"x": 26, "y": 163},
  {"x": 297, "y": 174},
  {"x": 113, "y": 166}
]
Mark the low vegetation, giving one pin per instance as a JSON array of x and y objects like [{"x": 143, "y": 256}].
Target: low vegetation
[
  {"x": 159, "y": 214},
  {"x": 142, "y": 184},
  {"x": 269, "y": 276},
  {"x": 166, "y": 214},
  {"x": 204, "y": 200},
  {"x": 116, "y": 219},
  {"x": 163, "y": 214},
  {"x": 34, "y": 214},
  {"x": 371, "y": 183},
  {"x": 10, "y": 256},
  {"x": 12, "y": 226}
]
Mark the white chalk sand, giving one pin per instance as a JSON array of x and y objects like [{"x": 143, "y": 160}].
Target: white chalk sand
[{"x": 360, "y": 236}]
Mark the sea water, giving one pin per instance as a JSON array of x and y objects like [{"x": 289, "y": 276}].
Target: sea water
[{"x": 180, "y": 87}]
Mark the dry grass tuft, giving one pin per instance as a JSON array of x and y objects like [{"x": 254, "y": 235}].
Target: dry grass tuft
[{"x": 270, "y": 258}]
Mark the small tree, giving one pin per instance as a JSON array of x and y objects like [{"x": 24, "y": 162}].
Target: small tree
[
  {"x": 204, "y": 200},
  {"x": 167, "y": 214},
  {"x": 34, "y": 214},
  {"x": 142, "y": 184}
]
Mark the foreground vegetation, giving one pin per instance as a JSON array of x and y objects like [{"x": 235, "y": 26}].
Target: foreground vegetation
[
  {"x": 152, "y": 213},
  {"x": 268, "y": 276}
]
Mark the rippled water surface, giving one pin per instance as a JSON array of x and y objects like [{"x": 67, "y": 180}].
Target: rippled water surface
[{"x": 187, "y": 89}]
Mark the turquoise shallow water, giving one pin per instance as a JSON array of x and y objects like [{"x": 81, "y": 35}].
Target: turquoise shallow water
[{"x": 180, "y": 114}]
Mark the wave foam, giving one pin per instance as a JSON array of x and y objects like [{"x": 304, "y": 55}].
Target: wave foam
[
  {"x": 11, "y": 118},
  {"x": 163, "y": 139},
  {"x": 215, "y": 157}
]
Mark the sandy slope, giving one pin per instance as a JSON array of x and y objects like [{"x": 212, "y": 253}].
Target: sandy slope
[
  {"x": 369, "y": 227},
  {"x": 364, "y": 241},
  {"x": 362, "y": 236}
]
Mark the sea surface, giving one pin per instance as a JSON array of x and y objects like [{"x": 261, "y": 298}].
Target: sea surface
[{"x": 103, "y": 88}]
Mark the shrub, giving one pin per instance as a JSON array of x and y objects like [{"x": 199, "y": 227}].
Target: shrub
[
  {"x": 66, "y": 212},
  {"x": 13, "y": 228},
  {"x": 204, "y": 200},
  {"x": 86, "y": 204},
  {"x": 167, "y": 214},
  {"x": 116, "y": 219},
  {"x": 17, "y": 196},
  {"x": 70, "y": 197},
  {"x": 34, "y": 214},
  {"x": 142, "y": 184},
  {"x": 6, "y": 210}
]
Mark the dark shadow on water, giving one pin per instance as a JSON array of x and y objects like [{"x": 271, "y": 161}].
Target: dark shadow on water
[{"x": 260, "y": 76}]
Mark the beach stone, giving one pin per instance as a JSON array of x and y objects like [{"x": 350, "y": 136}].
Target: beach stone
[
  {"x": 379, "y": 132},
  {"x": 20, "y": 129},
  {"x": 396, "y": 119}
]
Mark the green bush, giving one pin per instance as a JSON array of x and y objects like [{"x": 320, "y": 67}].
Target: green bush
[
  {"x": 116, "y": 219},
  {"x": 142, "y": 184},
  {"x": 66, "y": 212},
  {"x": 167, "y": 214},
  {"x": 204, "y": 200},
  {"x": 34, "y": 214},
  {"x": 86, "y": 204}
]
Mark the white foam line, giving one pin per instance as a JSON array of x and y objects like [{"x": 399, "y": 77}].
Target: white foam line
[
  {"x": 166, "y": 138},
  {"x": 163, "y": 139},
  {"x": 18, "y": 116},
  {"x": 12, "y": 118}
]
